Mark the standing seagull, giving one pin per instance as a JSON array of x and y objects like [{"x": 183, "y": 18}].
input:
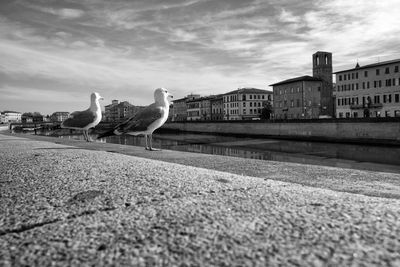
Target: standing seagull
[
  {"x": 84, "y": 120},
  {"x": 146, "y": 121}
]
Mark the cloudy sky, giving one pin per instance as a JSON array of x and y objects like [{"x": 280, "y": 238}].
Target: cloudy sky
[{"x": 54, "y": 53}]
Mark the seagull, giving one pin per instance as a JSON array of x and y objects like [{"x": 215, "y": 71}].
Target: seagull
[
  {"x": 146, "y": 121},
  {"x": 84, "y": 120}
]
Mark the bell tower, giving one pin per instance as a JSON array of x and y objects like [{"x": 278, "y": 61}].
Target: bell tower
[{"x": 322, "y": 69}]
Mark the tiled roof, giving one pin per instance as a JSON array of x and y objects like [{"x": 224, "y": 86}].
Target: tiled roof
[
  {"x": 249, "y": 91},
  {"x": 305, "y": 78}
]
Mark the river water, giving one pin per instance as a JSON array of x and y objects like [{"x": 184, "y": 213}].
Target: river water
[{"x": 363, "y": 157}]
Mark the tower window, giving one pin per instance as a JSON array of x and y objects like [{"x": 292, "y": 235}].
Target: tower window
[
  {"x": 317, "y": 58},
  {"x": 326, "y": 59}
]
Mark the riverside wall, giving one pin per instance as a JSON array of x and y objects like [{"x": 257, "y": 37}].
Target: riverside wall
[{"x": 374, "y": 132}]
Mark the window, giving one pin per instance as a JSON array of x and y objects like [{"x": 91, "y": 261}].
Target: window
[
  {"x": 396, "y": 68},
  {"x": 352, "y": 75},
  {"x": 367, "y": 85},
  {"x": 356, "y": 75},
  {"x": 363, "y": 85},
  {"x": 280, "y": 92},
  {"x": 352, "y": 86},
  {"x": 344, "y": 76},
  {"x": 365, "y": 73},
  {"x": 251, "y": 104},
  {"x": 390, "y": 98},
  {"x": 397, "y": 98},
  {"x": 348, "y": 76},
  {"x": 263, "y": 96},
  {"x": 244, "y": 104},
  {"x": 384, "y": 98},
  {"x": 387, "y": 70},
  {"x": 340, "y": 77},
  {"x": 380, "y": 83},
  {"x": 356, "y": 86},
  {"x": 338, "y": 102},
  {"x": 377, "y": 71}
]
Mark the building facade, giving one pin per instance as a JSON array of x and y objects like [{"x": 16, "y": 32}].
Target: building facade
[
  {"x": 369, "y": 91},
  {"x": 118, "y": 111},
  {"x": 179, "y": 108},
  {"x": 245, "y": 103},
  {"x": 307, "y": 97},
  {"x": 193, "y": 109},
  {"x": 10, "y": 116},
  {"x": 59, "y": 116},
  {"x": 217, "y": 108},
  {"x": 297, "y": 98}
]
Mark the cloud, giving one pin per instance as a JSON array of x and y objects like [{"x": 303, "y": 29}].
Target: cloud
[{"x": 64, "y": 13}]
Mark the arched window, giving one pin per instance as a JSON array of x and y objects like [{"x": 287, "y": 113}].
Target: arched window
[
  {"x": 317, "y": 58},
  {"x": 326, "y": 59}
]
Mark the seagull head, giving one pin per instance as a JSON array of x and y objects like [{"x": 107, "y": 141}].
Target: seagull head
[
  {"x": 161, "y": 95},
  {"x": 96, "y": 96}
]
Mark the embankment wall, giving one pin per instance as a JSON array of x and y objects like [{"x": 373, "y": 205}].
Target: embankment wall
[{"x": 374, "y": 132}]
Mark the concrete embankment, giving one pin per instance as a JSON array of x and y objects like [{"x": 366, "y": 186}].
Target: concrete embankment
[
  {"x": 373, "y": 131},
  {"x": 80, "y": 204}
]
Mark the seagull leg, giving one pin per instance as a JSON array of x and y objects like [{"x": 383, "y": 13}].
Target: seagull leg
[
  {"x": 84, "y": 135},
  {"x": 145, "y": 139},
  {"x": 89, "y": 139},
  {"x": 151, "y": 143}
]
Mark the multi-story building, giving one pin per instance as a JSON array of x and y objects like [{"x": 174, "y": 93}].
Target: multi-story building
[
  {"x": 59, "y": 116},
  {"x": 10, "y": 116},
  {"x": 205, "y": 108},
  {"x": 245, "y": 103},
  {"x": 118, "y": 111},
  {"x": 369, "y": 91},
  {"x": 217, "y": 108},
  {"x": 179, "y": 108},
  {"x": 193, "y": 109},
  {"x": 306, "y": 97},
  {"x": 297, "y": 98}
]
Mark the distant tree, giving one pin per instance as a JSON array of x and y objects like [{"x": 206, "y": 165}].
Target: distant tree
[
  {"x": 37, "y": 114},
  {"x": 266, "y": 111},
  {"x": 27, "y": 114}
]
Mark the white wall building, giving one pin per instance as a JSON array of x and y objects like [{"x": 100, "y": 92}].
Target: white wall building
[
  {"x": 245, "y": 103},
  {"x": 369, "y": 91},
  {"x": 10, "y": 116}
]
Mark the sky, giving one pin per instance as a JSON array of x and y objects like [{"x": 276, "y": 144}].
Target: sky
[{"x": 54, "y": 53}]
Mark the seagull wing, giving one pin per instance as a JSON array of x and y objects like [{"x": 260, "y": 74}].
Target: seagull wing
[
  {"x": 79, "y": 119},
  {"x": 141, "y": 120}
]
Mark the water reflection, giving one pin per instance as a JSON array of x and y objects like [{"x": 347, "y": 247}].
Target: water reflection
[{"x": 377, "y": 158}]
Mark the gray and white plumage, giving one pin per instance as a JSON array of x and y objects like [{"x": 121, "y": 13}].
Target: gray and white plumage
[
  {"x": 146, "y": 121},
  {"x": 86, "y": 119}
]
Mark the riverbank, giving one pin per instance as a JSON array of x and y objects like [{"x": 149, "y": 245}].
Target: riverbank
[{"x": 66, "y": 202}]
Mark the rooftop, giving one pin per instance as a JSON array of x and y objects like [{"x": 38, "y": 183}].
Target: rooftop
[
  {"x": 306, "y": 78},
  {"x": 370, "y": 65},
  {"x": 248, "y": 90}
]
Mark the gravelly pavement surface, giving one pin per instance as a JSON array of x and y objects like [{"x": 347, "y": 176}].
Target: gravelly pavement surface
[{"x": 70, "y": 206}]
